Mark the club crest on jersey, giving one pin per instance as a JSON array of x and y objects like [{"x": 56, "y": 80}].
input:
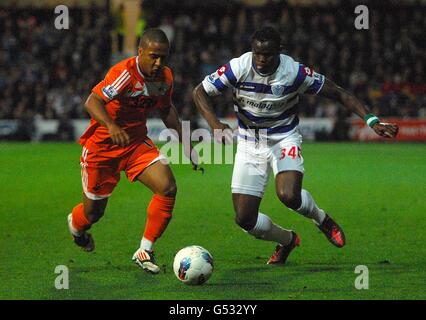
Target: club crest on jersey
[{"x": 277, "y": 90}]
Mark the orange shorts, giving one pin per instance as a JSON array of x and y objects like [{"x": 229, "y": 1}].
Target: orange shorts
[{"x": 101, "y": 167}]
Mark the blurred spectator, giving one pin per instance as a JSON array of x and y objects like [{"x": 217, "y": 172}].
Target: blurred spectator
[
  {"x": 341, "y": 126},
  {"x": 119, "y": 26},
  {"x": 65, "y": 130},
  {"x": 140, "y": 24}
]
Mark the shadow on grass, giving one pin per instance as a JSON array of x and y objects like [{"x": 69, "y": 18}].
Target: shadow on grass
[
  {"x": 102, "y": 268},
  {"x": 294, "y": 267},
  {"x": 294, "y": 280},
  {"x": 108, "y": 281},
  {"x": 376, "y": 266}
]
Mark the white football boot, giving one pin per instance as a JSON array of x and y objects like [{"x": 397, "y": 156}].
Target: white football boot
[{"x": 146, "y": 260}]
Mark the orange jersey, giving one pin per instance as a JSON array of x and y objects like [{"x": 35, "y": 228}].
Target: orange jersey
[{"x": 129, "y": 97}]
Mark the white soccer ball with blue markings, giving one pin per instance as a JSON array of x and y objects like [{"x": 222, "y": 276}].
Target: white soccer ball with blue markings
[{"x": 193, "y": 265}]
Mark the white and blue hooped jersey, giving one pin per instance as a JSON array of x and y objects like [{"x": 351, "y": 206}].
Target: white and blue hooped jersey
[{"x": 266, "y": 102}]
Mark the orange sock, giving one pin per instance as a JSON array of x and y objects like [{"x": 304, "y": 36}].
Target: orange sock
[
  {"x": 79, "y": 220},
  {"x": 159, "y": 214}
]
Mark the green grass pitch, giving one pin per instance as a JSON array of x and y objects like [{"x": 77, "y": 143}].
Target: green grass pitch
[{"x": 376, "y": 192}]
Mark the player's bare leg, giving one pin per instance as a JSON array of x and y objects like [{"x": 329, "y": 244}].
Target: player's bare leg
[
  {"x": 159, "y": 178},
  {"x": 81, "y": 219},
  {"x": 261, "y": 226},
  {"x": 246, "y": 209},
  {"x": 289, "y": 190}
]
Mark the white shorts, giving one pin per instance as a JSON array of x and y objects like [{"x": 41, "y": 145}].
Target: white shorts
[{"x": 254, "y": 161}]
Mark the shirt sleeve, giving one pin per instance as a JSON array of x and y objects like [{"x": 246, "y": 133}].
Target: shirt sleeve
[
  {"x": 224, "y": 77},
  {"x": 115, "y": 81},
  {"x": 310, "y": 81}
]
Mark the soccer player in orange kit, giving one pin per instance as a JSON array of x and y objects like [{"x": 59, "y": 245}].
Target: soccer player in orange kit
[{"x": 116, "y": 140}]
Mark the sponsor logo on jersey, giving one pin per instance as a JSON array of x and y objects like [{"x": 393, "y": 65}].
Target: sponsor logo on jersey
[
  {"x": 247, "y": 103},
  {"x": 247, "y": 87},
  {"x": 212, "y": 78}
]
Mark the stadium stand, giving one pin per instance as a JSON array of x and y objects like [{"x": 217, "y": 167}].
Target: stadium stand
[{"x": 47, "y": 73}]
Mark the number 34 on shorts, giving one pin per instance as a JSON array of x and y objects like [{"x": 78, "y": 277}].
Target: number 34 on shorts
[{"x": 292, "y": 152}]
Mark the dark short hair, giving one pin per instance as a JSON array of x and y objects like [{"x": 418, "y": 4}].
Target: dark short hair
[
  {"x": 153, "y": 35},
  {"x": 267, "y": 34}
]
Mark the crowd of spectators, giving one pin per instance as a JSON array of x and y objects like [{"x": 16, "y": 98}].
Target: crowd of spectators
[
  {"x": 48, "y": 73},
  {"x": 384, "y": 66}
]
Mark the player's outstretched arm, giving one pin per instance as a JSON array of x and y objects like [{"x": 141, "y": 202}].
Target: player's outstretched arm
[
  {"x": 96, "y": 108},
  {"x": 332, "y": 91},
  {"x": 205, "y": 107},
  {"x": 170, "y": 117}
]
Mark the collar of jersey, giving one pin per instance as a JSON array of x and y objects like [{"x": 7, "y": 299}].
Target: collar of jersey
[{"x": 144, "y": 77}]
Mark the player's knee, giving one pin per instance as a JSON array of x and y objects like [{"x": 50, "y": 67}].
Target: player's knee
[
  {"x": 245, "y": 222},
  {"x": 169, "y": 190},
  {"x": 291, "y": 199}
]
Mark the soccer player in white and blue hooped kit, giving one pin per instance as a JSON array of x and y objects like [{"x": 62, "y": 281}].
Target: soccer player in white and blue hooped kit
[{"x": 266, "y": 88}]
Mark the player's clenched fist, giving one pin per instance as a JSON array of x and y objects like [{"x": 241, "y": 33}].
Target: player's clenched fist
[
  {"x": 388, "y": 130},
  {"x": 118, "y": 135},
  {"x": 222, "y": 133}
]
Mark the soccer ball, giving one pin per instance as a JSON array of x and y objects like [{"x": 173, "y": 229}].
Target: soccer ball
[{"x": 193, "y": 265}]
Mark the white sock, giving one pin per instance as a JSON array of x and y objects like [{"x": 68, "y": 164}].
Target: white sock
[
  {"x": 309, "y": 209},
  {"x": 265, "y": 229},
  {"x": 71, "y": 227},
  {"x": 146, "y": 244}
]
